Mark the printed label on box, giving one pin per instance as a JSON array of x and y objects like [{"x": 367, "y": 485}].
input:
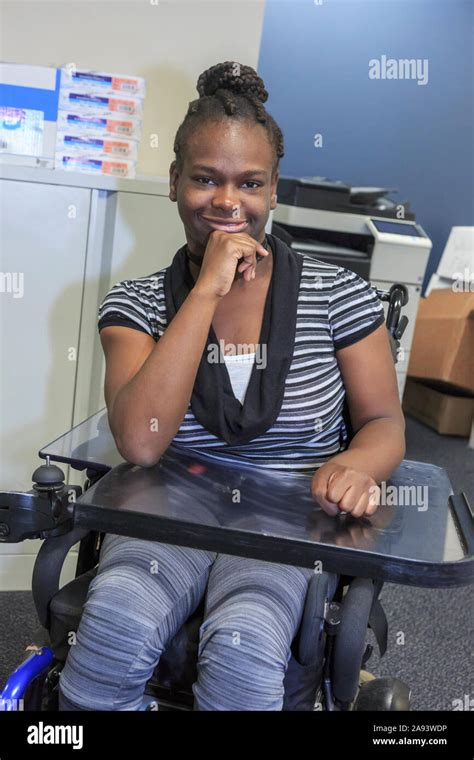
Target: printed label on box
[{"x": 21, "y": 131}]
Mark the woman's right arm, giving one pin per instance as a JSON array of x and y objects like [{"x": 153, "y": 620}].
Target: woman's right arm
[{"x": 147, "y": 394}]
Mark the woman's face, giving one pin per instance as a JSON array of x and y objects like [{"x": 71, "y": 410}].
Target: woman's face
[{"x": 226, "y": 179}]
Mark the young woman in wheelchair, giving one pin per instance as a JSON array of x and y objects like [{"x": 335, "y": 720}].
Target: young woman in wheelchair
[{"x": 297, "y": 339}]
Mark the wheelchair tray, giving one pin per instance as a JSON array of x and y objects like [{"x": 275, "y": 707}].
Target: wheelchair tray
[{"x": 421, "y": 534}]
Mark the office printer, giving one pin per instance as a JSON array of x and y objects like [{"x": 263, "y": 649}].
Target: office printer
[{"x": 361, "y": 229}]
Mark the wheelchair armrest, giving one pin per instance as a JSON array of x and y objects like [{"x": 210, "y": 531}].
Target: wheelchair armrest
[
  {"x": 47, "y": 570},
  {"x": 310, "y": 640},
  {"x": 350, "y": 640}
]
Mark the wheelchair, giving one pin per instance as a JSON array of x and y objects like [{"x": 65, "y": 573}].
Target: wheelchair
[{"x": 326, "y": 669}]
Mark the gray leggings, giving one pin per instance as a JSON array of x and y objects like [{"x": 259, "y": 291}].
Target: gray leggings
[{"x": 143, "y": 593}]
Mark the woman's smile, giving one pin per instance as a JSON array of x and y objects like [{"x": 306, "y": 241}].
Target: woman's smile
[{"x": 226, "y": 225}]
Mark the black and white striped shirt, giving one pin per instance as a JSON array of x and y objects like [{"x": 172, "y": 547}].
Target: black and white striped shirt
[{"x": 336, "y": 308}]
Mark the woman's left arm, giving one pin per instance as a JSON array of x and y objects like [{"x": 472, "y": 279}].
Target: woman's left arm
[{"x": 348, "y": 481}]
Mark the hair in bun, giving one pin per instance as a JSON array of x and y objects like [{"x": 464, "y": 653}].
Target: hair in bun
[
  {"x": 229, "y": 89},
  {"x": 242, "y": 80}
]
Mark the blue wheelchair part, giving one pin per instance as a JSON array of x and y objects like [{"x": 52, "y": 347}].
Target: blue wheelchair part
[{"x": 21, "y": 678}]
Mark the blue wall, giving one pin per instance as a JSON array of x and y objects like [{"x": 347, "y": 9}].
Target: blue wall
[{"x": 418, "y": 138}]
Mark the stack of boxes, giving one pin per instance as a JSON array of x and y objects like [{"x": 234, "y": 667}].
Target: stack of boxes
[{"x": 99, "y": 122}]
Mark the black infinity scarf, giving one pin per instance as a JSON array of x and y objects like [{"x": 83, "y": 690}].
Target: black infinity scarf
[{"x": 213, "y": 402}]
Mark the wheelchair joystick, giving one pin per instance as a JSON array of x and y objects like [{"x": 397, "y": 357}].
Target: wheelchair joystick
[
  {"x": 45, "y": 511},
  {"x": 48, "y": 477}
]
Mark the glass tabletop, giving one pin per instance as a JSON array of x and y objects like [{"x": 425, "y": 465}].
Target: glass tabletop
[
  {"x": 89, "y": 444},
  {"x": 270, "y": 515},
  {"x": 187, "y": 499}
]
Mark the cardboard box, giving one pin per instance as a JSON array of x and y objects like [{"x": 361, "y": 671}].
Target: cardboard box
[
  {"x": 443, "y": 343},
  {"x": 102, "y": 82},
  {"x": 97, "y": 104},
  {"x": 118, "y": 167},
  {"x": 445, "y": 413},
  {"x": 96, "y": 147},
  {"x": 80, "y": 123}
]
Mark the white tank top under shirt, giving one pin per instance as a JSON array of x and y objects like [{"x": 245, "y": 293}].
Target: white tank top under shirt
[{"x": 239, "y": 367}]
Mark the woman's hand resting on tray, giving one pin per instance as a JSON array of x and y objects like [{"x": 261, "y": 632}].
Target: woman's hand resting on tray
[{"x": 338, "y": 488}]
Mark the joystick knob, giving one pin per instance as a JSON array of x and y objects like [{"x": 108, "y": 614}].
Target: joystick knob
[{"x": 48, "y": 477}]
